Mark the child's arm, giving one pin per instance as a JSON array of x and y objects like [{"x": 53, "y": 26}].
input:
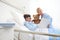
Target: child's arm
[{"x": 30, "y": 26}]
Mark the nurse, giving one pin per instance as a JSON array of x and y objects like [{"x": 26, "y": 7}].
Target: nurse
[
  {"x": 50, "y": 27},
  {"x": 44, "y": 15}
]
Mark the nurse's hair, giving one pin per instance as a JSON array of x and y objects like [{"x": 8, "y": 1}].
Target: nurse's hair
[{"x": 26, "y": 16}]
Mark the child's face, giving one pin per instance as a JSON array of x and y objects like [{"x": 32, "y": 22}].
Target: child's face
[{"x": 28, "y": 19}]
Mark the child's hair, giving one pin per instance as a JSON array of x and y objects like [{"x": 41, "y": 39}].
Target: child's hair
[{"x": 26, "y": 16}]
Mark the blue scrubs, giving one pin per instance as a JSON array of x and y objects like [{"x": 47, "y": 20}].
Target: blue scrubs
[{"x": 51, "y": 29}]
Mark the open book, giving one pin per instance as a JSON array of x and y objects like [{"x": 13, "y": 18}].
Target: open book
[{"x": 44, "y": 23}]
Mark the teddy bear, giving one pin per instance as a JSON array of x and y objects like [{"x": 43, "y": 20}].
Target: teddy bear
[{"x": 36, "y": 19}]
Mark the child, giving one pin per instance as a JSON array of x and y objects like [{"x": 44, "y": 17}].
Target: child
[{"x": 28, "y": 23}]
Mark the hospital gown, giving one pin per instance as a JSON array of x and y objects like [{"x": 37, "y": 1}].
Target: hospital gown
[
  {"x": 30, "y": 25},
  {"x": 51, "y": 29}
]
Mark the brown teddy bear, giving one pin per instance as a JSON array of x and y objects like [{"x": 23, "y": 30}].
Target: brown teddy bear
[{"x": 36, "y": 19}]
